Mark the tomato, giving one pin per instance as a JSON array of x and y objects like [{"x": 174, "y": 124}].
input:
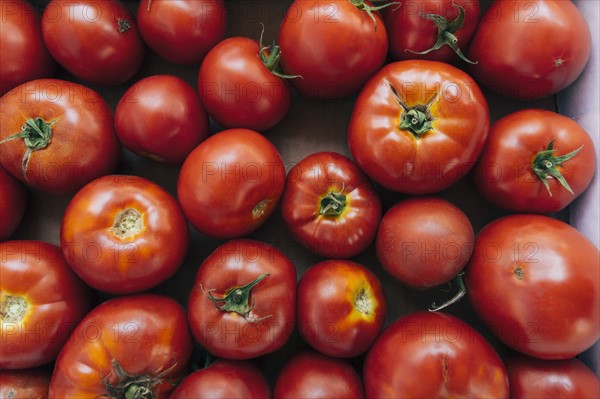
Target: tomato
[
  {"x": 424, "y": 241},
  {"x": 311, "y": 375},
  {"x": 129, "y": 347},
  {"x": 41, "y": 301},
  {"x": 534, "y": 281},
  {"x": 436, "y": 30},
  {"x": 241, "y": 85},
  {"x": 13, "y": 203},
  {"x": 242, "y": 303},
  {"x": 97, "y": 41},
  {"x": 161, "y": 117},
  {"x": 24, "y": 384},
  {"x": 124, "y": 234},
  {"x": 334, "y": 45},
  {"x": 433, "y": 355},
  {"x": 330, "y": 206},
  {"x": 528, "y": 49},
  {"x": 340, "y": 307},
  {"x": 535, "y": 161},
  {"x": 182, "y": 31},
  {"x": 418, "y": 126},
  {"x": 231, "y": 183},
  {"x": 224, "y": 379},
  {"x": 24, "y": 55},
  {"x": 67, "y": 133}
]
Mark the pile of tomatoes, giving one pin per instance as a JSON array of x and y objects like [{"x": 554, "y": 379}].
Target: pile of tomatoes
[{"x": 209, "y": 198}]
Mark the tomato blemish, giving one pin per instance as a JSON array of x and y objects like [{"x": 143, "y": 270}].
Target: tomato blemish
[
  {"x": 128, "y": 223},
  {"x": 13, "y": 308}
]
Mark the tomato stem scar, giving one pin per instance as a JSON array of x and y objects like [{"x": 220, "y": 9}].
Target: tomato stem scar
[
  {"x": 127, "y": 223},
  {"x": 13, "y": 308}
]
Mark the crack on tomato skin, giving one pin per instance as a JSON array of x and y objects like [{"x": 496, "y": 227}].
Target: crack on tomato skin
[{"x": 13, "y": 308}]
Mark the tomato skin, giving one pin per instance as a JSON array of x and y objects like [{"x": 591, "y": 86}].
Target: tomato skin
[
  {"x": 55, "y": 299},
  {"x": 238, "y": 90},
  {"x": 25, "y": 384},
  {"x": 534, "y": 281},
  {"x": 13, "y": 203},
  {"x": 452, "y": 357},
  {"x": 161, "y": 117},
  {"x": 398, "y": 158},
  {"x": 109, "y": 257},
  {"x": 514, "y": 54},
  {"x": 504, "y": 173}
]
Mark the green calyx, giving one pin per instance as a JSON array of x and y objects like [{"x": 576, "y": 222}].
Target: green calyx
[
  {"x": 546, "y": 164},
  {"x": 271, "y": 56},
  {"x": 332, "y": 204},
  {"x": 130, "y": 386},
  {"x": 36, "y": 132},
  {"x": 369, "y": 8},
  {"x": 417, "y": 119}
]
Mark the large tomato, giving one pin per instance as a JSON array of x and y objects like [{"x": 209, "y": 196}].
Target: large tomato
[
  {"x": 242, "y": 303},
  {"x": 41, "y": 301},
  {"x": 330, "y": 206},
  {"x": 130, "y": 347},
  {"x": 534, "y": 281},
  {"x": 418, "y": 126},
  {"x": 57, "y": 135},
  {"x": 433, "y": 355},
  {"x": 13, "y": 203},
  {"x": 535, "y": 161},
  {"x": 124, "y": 234},
  {"x": 25, "y": 384},
  {"x": 231, "y": 183},
  {"x": 527, "y": 49}
]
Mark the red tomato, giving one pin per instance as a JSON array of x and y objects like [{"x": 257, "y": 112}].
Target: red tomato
[
  {"x": 24, "y": 55},
  {"x": 418, "y": 126},
  {"x": 161, "y": 117},
  {"x": 424, "y": 241},
  {"x": 340, "y": 308},
  {"x": 13, "y": 203},
  {"x": 130, "y": 347},
  {"x": 241, "y": 86},
  {"x": 310, "y": 375},
  {"x": 41, "y": 301},
  {"x": 182, "y": 31},
  {"x": 330, "y": 206},
  {"x": 433, "y": 355},
  {"x": 534, "y": 281},
  {"x": 97, "y": 41},
  {"x": 436, "y": 30},
  {"x": 334, "y": 45},
  {"x": 231, "y": 183},
  {"x": 527, "y": 49},
  {"x": 242, "y": 303},
  {"x": 56, "y": 136},
  {"x": 124, "y": 234},
  {"x": 25, "y": 384},
  {"x": 535, "y": 161}
]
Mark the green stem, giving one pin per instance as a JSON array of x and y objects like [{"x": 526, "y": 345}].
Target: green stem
[
  {"x": 271, "y": 56},
  {"x": 462, "y": 290},
  {"x": 417, "y": 119},
  {"x": 546, "y": 164},
  {"x": 332, "y": 204},
  {"x": 369, "y": 8}
]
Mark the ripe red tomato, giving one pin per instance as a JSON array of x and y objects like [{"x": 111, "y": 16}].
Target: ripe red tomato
[
  {"x": 340, "y": 308},
  {"x": 240, "y": 85},
  {"x": 534, "y": 281},
  {"x": 335, "y": 45},
  {"x": 330, "y": 206},
  {"x": 242, "y": 303},
  {"x": 527, "y": 49},
  {"x": 25, "y": 384},
  {"x": 424, "y": 241},
  {"x": 433, "y": 355},
  {"x": 41, "y": 301},
  {"x": 311, "y": 375},
  {"x": 124, "y": 234},
  {"x": 161, "y": 117},
  {"x": 535, "y": 161},
  {"x": 13, "y": 203},
  {"x": 231, "y": 183},
  {"x": 418, "y": 126},
  {"x": 182, "y": 31},
  {"x": 24, "y": 55},
  {"x": 67, "y": 133},
  {"x": 130, "y": 347},
  {"x": 97, "y": 41}
]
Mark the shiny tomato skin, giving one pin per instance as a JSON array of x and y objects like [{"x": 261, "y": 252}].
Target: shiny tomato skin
[
  {"x": 237, "y": 88},
  {"x": 534, "y": 281},
  {"x": 344, "y": 232},
  {"x": 13, "y": 203},
  {"x": 231, "y": 183},
  {"x": 25, "y": 384},
  {"x": 444, "y": 151},
  {"x": 42, "y": 300},
  {"x": 144, "y": 335},
  {"x": 514, "y": 54},
  {"x": 161, "y": 117},
  {"x": 505, "y": 174},
  {"x": 108, "y": 253},
  {"x": 452, "y": 357}
]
